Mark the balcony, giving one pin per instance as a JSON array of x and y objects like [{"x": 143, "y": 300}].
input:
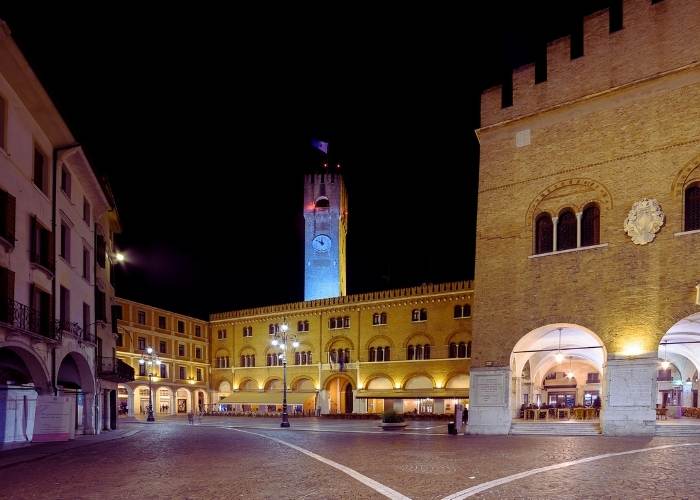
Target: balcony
[
  {"x": 75, "y": 330},
  {"x": 17, "y": 316},
  {"x": 114, "y": 370}
]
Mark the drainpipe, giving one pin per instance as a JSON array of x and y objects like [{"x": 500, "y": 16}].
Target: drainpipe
[{"x": 54, "y": 210}]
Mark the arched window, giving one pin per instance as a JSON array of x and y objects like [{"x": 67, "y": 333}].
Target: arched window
[
  {"x": 415, "y": 315},
  {"x": 387, "y": 354},
  {"x": 243, "y": 361},
  {"x": 458, "y": 311},
  {"x": 271, "y": 330},
  {"x": 462, "y": 350},
  {"x": 426, "y": 351},
  {"x": 469, "y": 349},
  {"x": 334, "y": 357},
  {"x": 306, "y": 325},
  {"x": 382, "y": 318},
  {"x": 566, "y": 230},
  {"x": 331, "y": 323},
  {"x": 453, "y": 350},
  {"x": 419, "y": 351},
  {"x": 252, "y": 360},
  {"x": 372, "y": 354},
  {"x": 590, "y": 225},
  {"x": 375, "y": 319},
  {"x": 303, "y": 358},
  {"x": 308, "y": 357},
  {"x": 410, "y": 352},
  {"x": 346, "y": 322},
  {"x": 268, "y": 359},
  {"x": 380, "y": 354},
  {"x": 322, "y": 203},
  {"x": 543, "y": 233},
  {"x": 466, "y": 311},
  {"x": 423, "y": 314},
  {"x": 347, "y": 355},
  {"x": 297, "y": 358},
  {"x": 692, "y": 207}
]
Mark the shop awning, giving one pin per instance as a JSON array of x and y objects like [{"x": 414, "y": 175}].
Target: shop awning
[
  {"x": 266, "y": 398},
  {"x": 414, "y": 394}
]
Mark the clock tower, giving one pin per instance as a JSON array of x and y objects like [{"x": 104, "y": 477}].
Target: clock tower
[{"x": 325, "y": 227}]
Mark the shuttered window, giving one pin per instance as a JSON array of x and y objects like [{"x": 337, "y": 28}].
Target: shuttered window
[{"x": 7, "y": 217}]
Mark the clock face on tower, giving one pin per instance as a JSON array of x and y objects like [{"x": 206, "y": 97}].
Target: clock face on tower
[{"x": 321, "y": 243}]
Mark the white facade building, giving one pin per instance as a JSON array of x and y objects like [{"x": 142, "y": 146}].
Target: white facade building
[{"x": 52, "y": 299}]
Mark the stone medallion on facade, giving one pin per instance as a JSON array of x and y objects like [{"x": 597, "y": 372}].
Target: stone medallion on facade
[{"x": 644, "y": 221}]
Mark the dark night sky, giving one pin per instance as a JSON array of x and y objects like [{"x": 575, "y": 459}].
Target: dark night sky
[{"x": 202, "y": 121}]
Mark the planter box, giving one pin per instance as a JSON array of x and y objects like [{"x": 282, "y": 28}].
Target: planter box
[{"x": 392, "y": 426}]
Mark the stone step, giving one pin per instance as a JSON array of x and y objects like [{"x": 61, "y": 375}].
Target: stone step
[
  {"x": 677, "y": 430},
  {"x": 560, "y": 429}
]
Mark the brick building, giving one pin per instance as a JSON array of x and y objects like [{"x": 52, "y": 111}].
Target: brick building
[{"x": 588, "y": 221}]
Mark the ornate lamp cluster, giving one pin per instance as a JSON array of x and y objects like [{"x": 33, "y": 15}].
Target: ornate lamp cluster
[
  {"x": 150, "y": 360},
  {"x": 283, "y": 339}
]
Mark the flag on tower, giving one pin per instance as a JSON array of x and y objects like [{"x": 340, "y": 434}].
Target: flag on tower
[{"x": 320, "y": 145}]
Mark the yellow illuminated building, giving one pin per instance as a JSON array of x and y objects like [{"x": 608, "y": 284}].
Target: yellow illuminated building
[
  {"x": 180, "y": 383},
  {"x": 408, "y": 348}
]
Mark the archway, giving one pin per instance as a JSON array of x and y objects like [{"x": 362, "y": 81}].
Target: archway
[
  {"x": 141, "y": 399},
  {"x": 224, "y": 390},
  {"x": 183, "y": 398},
  {"x": 201, "y": 398},
  {"x": 163, "y": 403},
  {"x": 379, "y": 383},
  {"x": 125, "y": 400},
  {"x": 23, "y": 377},
  {"x": 75, "y": 379},
  {"x": 420, "y": 387},
  {"x": 679, "y": 355},
  {"x": 557, "y": 365},
  {"x": 19, "y": 366},
  {"x": 340, "y": 395}
]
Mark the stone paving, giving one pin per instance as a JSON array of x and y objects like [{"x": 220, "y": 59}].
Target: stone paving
[{"x": 219, "y": 458}]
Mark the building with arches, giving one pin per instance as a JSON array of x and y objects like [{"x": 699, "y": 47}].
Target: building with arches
[
  {"x": 58, "y": 369},
  {"x": 182, "y": 343},
  {"x": 588, "y": 224},
  {"x": 406, "y": 349}
]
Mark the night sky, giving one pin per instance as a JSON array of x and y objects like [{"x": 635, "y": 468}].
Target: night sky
[{"x": 202, "y": 119}]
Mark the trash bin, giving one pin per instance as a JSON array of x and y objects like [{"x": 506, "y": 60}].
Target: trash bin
[{"x": 451, "y": 428}]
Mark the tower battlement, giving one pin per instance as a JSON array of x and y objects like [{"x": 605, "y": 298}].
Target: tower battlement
[{"x": 655, "y": 38}]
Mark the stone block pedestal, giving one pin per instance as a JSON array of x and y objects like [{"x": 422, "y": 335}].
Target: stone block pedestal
[
  {"x": 629, "y": 392},
  {"x": 489, "y": 400}
]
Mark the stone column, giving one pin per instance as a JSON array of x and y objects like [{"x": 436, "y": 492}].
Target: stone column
[
  {"x": 130, "y": 403},
  {"x": 554, "y": 236},
  {"x": 629, "y": 396},
  {"x": 358, "y": 405},
  {"x": 687, "y": 396},
  {"x": 517, "y": 396},
  {"x": 578, "y": 229},
  {"x": 439, "y": 406},
  {"x": 489, "y": 400},
  {"x": 324, "y": 402}
]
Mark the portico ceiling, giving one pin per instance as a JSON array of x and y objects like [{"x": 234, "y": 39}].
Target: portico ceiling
[
  {"x": 541, "y": 345},
  {"x": 683, "y": 339}
]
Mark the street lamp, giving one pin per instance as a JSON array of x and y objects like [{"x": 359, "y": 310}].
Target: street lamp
[
  {"x": 150, "y": 360},
  {"x": 283, "y": 338}
]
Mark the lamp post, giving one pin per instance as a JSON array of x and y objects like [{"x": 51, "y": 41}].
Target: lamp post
[
  {"x": 282, "y": 338},
  {"x": 150, "y": 359}
]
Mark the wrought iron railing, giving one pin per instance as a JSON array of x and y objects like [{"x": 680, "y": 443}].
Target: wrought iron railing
[
  {"x": 76, "y": 330},
  {"x": 22, "y": 317},
  {"x": 114, "y": 369}
]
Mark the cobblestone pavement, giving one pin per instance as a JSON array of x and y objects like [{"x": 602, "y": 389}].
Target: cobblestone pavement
[{"x": 234, "y": 458}]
